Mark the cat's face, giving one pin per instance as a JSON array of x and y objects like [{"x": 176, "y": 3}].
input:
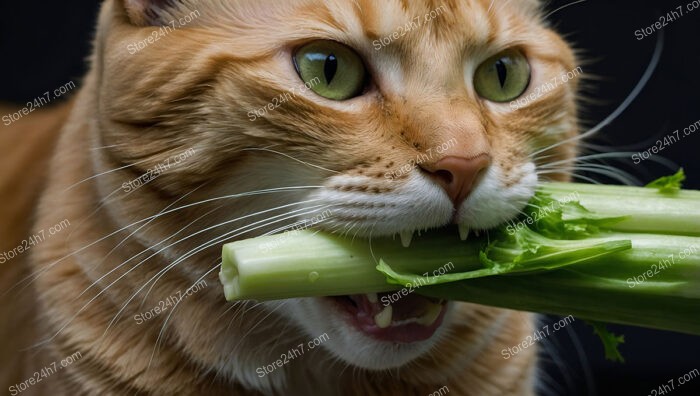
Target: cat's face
[{"x": 401, "y": 130}]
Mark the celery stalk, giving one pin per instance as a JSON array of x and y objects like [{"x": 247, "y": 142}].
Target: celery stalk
[
  {"x": 647, "y": 210},
  {"x": 309, "y": 263},
  {"x": 648, "y": 285},
  {"x": 331, "y": 265},
  {"x": 625, "y": 255}
]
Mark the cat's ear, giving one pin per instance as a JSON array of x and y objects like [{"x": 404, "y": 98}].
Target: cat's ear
[{"x": 148, "y": 12}]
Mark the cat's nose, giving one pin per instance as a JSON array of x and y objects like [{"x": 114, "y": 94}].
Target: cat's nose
[{"x": 458, "y": 175}]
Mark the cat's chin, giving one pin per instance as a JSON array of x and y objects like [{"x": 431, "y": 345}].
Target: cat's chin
[{"x": 378, "y": 331}]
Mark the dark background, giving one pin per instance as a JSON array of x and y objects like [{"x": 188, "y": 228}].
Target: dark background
[{"x": 43, "y": 45}]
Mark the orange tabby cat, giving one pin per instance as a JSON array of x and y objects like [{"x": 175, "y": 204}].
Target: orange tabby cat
[{"x": 194, "y": 128}]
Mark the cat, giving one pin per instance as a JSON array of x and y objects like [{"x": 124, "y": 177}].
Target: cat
[{"x": 202, "y": 122}]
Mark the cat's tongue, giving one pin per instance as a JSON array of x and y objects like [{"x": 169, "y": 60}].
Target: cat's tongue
[{"x": 393, "y": 316}]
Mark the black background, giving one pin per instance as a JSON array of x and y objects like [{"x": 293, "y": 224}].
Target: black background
[{"x": 43, "y": 45}]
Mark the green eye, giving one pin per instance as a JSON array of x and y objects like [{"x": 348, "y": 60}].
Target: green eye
[
  {"x": 331, "y": 69},
  {"x": 502, "y": 77}
]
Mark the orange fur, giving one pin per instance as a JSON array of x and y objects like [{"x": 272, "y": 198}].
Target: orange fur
[{"x": 193, "y": 90}]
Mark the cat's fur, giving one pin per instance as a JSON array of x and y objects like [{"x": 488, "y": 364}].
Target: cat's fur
[{"x": 192, "y": 90}]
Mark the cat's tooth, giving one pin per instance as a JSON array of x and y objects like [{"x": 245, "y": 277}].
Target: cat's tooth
[
  {"x": 463, "y": 232},
  {"x": 430, "y": 316},
  {"x": 373, "y": 298},
  {"x": 383, "y": 319},
  {"x": 406, "y": 237}
]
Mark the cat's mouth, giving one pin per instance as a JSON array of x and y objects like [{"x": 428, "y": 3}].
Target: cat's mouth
[{"x": 399, "y": 316}]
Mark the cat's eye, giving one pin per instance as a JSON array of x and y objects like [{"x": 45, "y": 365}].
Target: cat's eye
[
  {"x": 331, "y": 69},
  {"x": 502, "y": 77}
]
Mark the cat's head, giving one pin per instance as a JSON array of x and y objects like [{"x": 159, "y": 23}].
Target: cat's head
[{"x": 388, "y": 116}]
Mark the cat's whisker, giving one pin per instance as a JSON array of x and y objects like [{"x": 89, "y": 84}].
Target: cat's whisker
[
  {"x": 582, "y": 166},
  {"x": 542, "y": 158},
  {"x": 159, "y": 274},
  {"x": 241, "y": 313},
  {"x": 561, "y": 365},
  {"x": 606, "y": 170},
  {"x": 369, "y": 243},
  {"x": 611, "y": 172},
  {"x": 347, "y": 229},
  {"x": 651, "y": 67},
  {"x": 278, "y": 340},
  {"x": 172, "y": 235},
  {"x": 31, "y": 277},
  {"x": 103, "y": 202},
  {"x": 243, "y": 307},
  {"x": 231, "y": 307},
  {"x": 105, "y": 147},
  {"x": 102, "y": 291},
  {"x": 156, "y": 245},
  {"x": 562, "y": 7},
  {"x": 104, "y": 173},
  {"x": 615, "y": 155},
  {"x": 146, "y": 224},
  {"x": 195, "y": 251},
  {"x": 545, "y": 381},
  {"x": 356, "y": 232},
  {"x": 272, "y": 311},
  {"x": 292, "y": 158},
  {"x": 286, "y": 227},
  {"x": 172, "y": 311},
  {"x": 575, "y": 176},
  {"x": 551, "y": 348},
  {"x": 219, "y": 240}
]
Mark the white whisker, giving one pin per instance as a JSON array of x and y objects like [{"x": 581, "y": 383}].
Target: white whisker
[
  {"x": 104, "y": 173},
  {"x": 292, "y": 158},
  {"x": 623, "y": 106},
  {"x": 562, "y": 7},
  {"x": 172, "y": 311},
  {"x": 188, "y": 254},
  {"x": 30, "y": 278}
]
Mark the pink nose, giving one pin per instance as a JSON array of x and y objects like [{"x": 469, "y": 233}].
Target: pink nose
[{"x": 458, "y": 175}]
